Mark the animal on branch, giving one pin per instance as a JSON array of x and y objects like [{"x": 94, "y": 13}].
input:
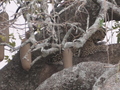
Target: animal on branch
[
  {"x": 90, "y": 47},
  {"x": 68, "y": 19},
  {"x": 70, "y": 23}
]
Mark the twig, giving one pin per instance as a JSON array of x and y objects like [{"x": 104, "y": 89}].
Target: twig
[
  {"x": 67, "y": 35},
  {"x": 6, "y": 44}
]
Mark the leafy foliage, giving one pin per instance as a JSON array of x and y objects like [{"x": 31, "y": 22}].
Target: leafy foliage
[
  {"x": 101, "y": 23},
  {"x": 3, "y": 38}
]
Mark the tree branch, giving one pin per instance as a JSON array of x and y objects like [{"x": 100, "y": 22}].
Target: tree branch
[{"x": 81, "y": 41}]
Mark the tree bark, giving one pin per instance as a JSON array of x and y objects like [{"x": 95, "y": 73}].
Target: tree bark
[{"x": 67, "y": 58}]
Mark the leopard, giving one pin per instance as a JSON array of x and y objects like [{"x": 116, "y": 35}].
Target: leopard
[
  {"x": 90, "y": 47},
  {"x": 71, "y": 15}
]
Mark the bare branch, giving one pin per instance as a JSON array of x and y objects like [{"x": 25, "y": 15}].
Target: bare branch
[
  {"x": 45, "y": 53},
  {"x": 35, "y": 60},
  {"x": 115, "y": 8},
  {"x": 81, "y": 41},
  {"x": 67, "y": 35},
  {"x": 83, "y": 2},
  {"x": 24, "y": 43},
  {"x": 6, "y": 44}
]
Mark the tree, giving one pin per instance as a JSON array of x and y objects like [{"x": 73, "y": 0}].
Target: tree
[{"x": 73, "y": 27}]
